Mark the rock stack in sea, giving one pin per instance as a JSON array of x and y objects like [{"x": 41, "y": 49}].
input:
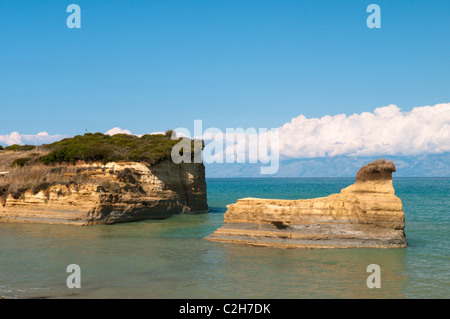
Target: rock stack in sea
[{"x": 364, "y": 214}]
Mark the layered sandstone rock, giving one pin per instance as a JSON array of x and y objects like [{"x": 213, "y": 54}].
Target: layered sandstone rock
[
  {"x": 365, "y": 214},
  {"x": 112, "y": 193}
]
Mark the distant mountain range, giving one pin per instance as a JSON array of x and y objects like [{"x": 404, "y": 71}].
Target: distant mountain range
[{"x": 434, "y": 165}]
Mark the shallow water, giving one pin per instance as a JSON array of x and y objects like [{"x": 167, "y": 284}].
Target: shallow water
[{"x": 170, "y": 259}]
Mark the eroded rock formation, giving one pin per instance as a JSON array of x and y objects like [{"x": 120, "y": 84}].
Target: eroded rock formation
[
  {"x": 111, "y": 193},
  {"x": 365, "y": 214}
]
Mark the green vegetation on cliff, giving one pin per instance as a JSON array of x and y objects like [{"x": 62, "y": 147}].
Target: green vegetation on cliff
[
  {"x": 99, "y": 147},
  {"x": 16, "y": 147}
]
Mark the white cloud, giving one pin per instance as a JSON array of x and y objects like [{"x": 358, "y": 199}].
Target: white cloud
[
  {"x": 13, "y": 138},
  {"x": 118, "y": 130},
  {"x": 21, "y": 139},
  {"x": 386, "y": 131}
]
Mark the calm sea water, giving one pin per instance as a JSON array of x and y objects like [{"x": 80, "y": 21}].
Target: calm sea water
[{"x": 170, "y": 259}]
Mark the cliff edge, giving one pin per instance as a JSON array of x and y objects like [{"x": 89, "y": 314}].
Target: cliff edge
[
  {"x": 96, "y": 179},
  {"x": 365, "y": 214}
]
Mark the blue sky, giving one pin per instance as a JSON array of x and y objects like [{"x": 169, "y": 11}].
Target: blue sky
[{"x": 153, "y": 65}]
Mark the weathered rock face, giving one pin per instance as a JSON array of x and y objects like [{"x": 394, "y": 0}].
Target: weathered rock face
[
  {"x": 116, "y": 192},
  {"x": 365, "y": 214}
]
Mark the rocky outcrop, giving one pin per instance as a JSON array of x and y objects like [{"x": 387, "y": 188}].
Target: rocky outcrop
[
  {"x": 112, "y": 193},
  {"x": 365, "y": 214}
]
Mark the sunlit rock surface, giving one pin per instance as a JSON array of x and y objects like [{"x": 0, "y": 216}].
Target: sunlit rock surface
[{"x": 365, "y": 214}]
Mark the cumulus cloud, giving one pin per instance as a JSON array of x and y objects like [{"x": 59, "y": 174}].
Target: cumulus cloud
[
  {"x": 13, "y": 138},
  {"x": 386, "y": 131},
  {"x": 21, "y": 139},
  {"x": 118, "y": 130}
]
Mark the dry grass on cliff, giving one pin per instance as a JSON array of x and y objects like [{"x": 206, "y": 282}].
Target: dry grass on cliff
[
  {"x": 34, "y": 178},
  {"x": 7, "y": 157},
  {"x": 40, "y": 177}
]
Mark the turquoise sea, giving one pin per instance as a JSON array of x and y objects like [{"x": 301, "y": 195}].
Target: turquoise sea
[{"x": 170, "y": 259}]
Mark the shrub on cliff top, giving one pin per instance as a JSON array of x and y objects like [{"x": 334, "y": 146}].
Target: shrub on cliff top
[
  {"x": 21, "y": 162},
  {"x": 17, "y": 147},
  {"x": 169, "y": 133},
  {"x": 99, "y": 147}
]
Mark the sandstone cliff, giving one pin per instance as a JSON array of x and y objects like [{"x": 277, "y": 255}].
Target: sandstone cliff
[
  {"x": 365, "y": 214},
  {"x": 96, "y": 193}
]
